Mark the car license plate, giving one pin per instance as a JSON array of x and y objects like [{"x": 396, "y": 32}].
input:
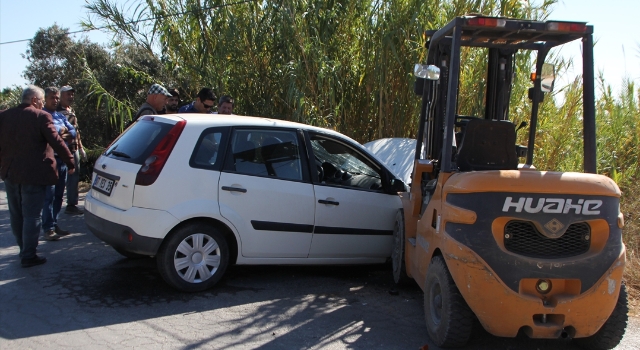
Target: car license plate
[{"x": 103, "y": 184}]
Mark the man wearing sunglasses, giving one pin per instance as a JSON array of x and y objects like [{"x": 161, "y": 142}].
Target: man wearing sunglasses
[{"x": 203, "y": 103}]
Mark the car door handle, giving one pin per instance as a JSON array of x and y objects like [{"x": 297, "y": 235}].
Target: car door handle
[
  {"x": 324, "y": 201},
  {"x": 234, "y": 189}
]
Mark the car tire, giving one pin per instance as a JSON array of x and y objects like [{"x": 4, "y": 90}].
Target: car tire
[
  {"x": 612, "y": 331},
  {"x": 397, "y": 254},
  {"x": 193, "y": 258},
  {"x": 449, "y": 319},
  {"x": 130, "y": 255}
]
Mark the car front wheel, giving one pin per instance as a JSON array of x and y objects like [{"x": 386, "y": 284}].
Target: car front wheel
[
  {"x": 193, "y": 258},
  {"x": 397, "y": 254}
]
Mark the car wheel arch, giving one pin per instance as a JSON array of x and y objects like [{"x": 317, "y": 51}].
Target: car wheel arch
[{"x": 226, "y": 230}]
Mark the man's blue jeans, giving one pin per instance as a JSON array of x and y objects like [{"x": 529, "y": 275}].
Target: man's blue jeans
[
  {"x": 72, "y": 181},
  {"x": 53, "y": 198},
  {"x": 25, "y": 207}
]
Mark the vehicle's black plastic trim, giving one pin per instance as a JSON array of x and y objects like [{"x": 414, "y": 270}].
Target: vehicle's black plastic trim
[
  {"x": 117, "y": 236},
  {"x": 280, "y": 226},
  {"x": 325, "y": 230}
]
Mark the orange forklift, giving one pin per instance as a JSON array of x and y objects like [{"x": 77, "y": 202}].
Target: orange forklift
[{"x": 486, "y": 237}]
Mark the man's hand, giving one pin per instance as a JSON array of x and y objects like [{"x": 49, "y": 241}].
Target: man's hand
[
  {"x": 83, "y": 154},
  {"x": 66, "y": 137}
]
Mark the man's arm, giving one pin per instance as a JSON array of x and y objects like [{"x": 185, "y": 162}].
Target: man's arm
[
  {"x": 50, "y": 134},
  {"x": 70, "y": 128}
]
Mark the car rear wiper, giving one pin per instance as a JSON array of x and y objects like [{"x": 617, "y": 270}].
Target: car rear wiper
[{"x": 119, "y": 154}]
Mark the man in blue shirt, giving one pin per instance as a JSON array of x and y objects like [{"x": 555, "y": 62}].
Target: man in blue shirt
[
  {"x": 53, "y": 194},
  {"x": 205, "y": 100}
]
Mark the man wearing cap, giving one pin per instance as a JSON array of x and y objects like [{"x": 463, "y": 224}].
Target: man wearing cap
[
  {"x": 54, "y": 193},
  {"x": 203, "y": 103},
  {"x": 67, "y": 96},
  {"x": 28, "y": 139},
  {"x": 156, "y": 100}
]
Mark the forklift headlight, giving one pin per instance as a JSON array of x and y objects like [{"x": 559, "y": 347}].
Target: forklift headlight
[{"x": 424, "y": 71}]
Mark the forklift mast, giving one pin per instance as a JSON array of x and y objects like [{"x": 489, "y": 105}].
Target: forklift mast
[{"x": 503, "y": 38}]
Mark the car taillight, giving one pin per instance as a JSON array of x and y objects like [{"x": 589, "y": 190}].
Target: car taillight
[{"x": 153, "y": 165}]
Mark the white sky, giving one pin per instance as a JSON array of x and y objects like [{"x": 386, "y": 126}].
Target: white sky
[{"x": 617, "y": 52}]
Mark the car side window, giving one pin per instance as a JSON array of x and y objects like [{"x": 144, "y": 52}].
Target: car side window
[
  {"x": 268, "y": 153},
  {"x": 208, "y": 151},
  {"x": 339, "y": 164}
]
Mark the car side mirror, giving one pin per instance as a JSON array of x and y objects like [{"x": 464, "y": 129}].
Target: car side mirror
[{"x": 398, "y": 186}]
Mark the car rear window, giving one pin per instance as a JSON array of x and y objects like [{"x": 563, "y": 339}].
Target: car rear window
[{"x": 137, "y": 143}]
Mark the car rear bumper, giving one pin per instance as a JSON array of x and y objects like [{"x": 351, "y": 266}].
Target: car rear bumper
[
  {"x": 120, "y": 236},
  {"x": 136, "y": 230}
]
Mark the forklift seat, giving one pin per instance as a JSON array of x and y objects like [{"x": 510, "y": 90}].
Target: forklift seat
[{"x": 488, "y": 145}]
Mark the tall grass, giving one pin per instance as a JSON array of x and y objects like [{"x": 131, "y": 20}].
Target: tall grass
[{"x": 559, "y": 147}]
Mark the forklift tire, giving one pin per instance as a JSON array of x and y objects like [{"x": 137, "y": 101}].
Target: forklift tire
[
  {"x": 610, "y": 335},
  {"x": 449, "y": 318},
  {"x": 397, "y": 255}
]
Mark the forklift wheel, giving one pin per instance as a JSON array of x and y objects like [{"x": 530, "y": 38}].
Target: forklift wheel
[
  {"x": 397, "y": 255},
  {"x": 449, "y": 318},
  {"x": 610, "y": 335}
]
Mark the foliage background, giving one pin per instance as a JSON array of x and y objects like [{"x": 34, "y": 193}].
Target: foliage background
[{"x": 344, "y": 65}]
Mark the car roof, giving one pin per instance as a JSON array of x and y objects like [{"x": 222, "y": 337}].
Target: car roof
[{"x": 212, "y": 120}]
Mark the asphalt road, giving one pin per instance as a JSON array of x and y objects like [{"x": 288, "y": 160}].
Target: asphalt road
[{"x": 88, "y": 296}]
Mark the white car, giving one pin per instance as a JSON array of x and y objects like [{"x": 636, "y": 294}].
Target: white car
[{"x": 201, "y": 192}]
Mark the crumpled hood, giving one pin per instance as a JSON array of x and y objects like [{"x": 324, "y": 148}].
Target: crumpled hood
[{"x": 396, "y": 153}]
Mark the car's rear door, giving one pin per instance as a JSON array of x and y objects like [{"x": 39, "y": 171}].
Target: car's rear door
[
  {"x": 265, "y": 192},
  {"x": 354, "y": 215}
]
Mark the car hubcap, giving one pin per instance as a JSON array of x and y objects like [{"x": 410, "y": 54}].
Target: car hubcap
[{"x": 197, "y": 258}]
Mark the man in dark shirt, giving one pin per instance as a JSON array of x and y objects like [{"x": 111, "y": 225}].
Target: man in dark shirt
[
  {"x": 54, "y": 194},
  {"x": 27, "y": 166},
  {"x": 204, "y": 102}
]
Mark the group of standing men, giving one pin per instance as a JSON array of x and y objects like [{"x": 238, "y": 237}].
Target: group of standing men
[
  {"x": 40, "y": 148},
  {"x": 163, "y": 101}
]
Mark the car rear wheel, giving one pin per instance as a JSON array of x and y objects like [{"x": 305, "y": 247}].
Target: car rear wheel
[
  {"x": 612, "y": 331},
  {"x": 449, "y": 319},
  {"x": 397, "y": 254},
  {"x": 193, "y": 258}
]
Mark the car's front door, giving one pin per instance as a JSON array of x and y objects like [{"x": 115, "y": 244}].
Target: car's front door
[
  {"x": 266, "y": 194},
  {"x": 354, "y": 216}
]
